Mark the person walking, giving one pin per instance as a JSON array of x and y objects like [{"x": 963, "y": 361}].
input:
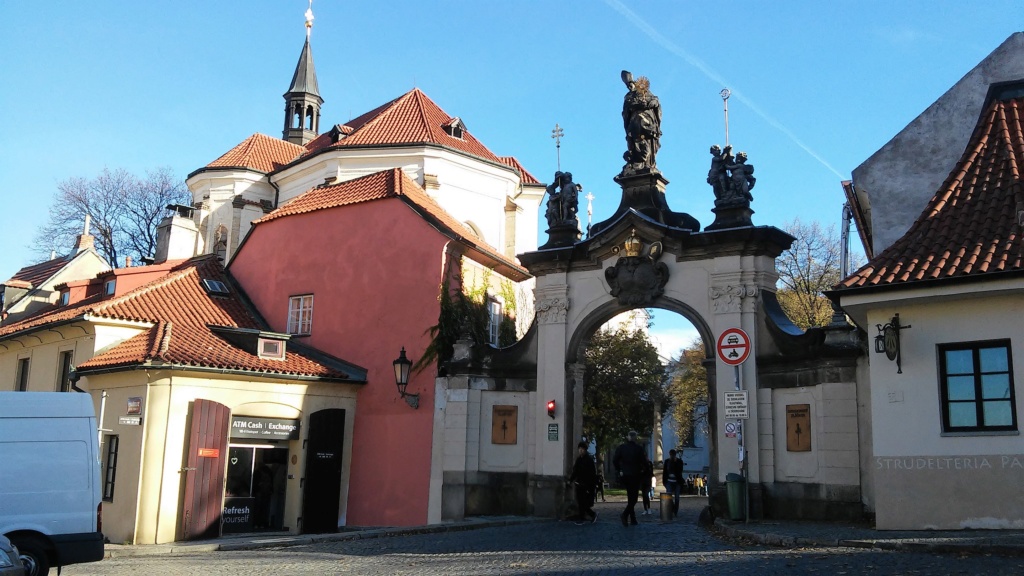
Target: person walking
[
  {"x": 600, "y": 480},
  {"x": 672, "y": 477},
  {"x": 629, "y": 465},
  {"x": 648, "y": 484},
  {"x": 583, "y": 479}
]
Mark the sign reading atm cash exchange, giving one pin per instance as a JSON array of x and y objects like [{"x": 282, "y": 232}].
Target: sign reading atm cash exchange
[{"x": 264, "y": 428}]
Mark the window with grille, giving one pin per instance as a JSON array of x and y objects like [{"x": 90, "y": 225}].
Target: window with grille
[
  {"x": 977, "y": 387},
  {"x": 110, "y": 467},
  {"x": 300, "y": 314}
]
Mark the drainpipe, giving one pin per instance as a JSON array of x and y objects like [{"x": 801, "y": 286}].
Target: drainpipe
[
  {"x": 844, "y": 265},
  {"x": 99, "y": 428}
]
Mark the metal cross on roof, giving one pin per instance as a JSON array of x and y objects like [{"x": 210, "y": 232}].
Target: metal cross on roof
[{"x": 557, "y": 134}]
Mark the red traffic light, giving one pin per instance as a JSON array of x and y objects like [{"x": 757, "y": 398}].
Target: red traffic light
[{"x": 551, "y": 408}]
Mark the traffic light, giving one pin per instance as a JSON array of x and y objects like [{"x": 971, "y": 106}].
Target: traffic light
[{"x": 551, "y": 408}]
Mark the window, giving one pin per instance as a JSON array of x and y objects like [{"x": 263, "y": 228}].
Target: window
[
  {"x": 64, "y": 368},
  {"x": 216, "y": 287},
  {"x": 494, "y": 318},
  {"x": 300, "y": 314},
  {"x": 273, "y": 349},
  {"x": 65, "y": 297},
  {"x": 110, "y": 468},
  {"x": 109, "y": 287},
  {"x": 977, "y": 387},
  {"x": 21, "y": 378}
]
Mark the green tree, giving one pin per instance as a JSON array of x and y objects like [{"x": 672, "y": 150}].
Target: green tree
[
  {"x": 124, "y": 211},
  {"x": 688, "y": 388},
  {"x": 623, "y": 378},
  {"x": 806, "y": 270}
]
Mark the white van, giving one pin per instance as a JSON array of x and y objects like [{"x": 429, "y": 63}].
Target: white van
[{"x": 50, "y": 478}]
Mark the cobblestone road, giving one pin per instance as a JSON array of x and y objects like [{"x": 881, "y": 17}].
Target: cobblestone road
[{"x": 606, "y": 547}]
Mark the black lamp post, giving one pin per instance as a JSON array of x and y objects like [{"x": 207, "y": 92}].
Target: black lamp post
[{"x": 402, "y": 366}]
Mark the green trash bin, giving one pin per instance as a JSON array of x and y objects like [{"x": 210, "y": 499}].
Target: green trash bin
[{"x": 736, "y": 491}]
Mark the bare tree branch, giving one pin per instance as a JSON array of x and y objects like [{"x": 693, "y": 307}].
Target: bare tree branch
[{"x": 124, "y": 211}]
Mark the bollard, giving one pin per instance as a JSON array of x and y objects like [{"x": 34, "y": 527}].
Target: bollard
[{"x": 666, "y": 507}]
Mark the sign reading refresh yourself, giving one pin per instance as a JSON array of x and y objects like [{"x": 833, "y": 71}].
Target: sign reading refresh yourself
[{"x": 264, "y": 428}]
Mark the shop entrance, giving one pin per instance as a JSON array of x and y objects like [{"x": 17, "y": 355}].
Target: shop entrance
[{"x": 256, "y": 479}]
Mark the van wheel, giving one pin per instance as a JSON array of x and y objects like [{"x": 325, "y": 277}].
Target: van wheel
[{"x": 34, "y": 557}]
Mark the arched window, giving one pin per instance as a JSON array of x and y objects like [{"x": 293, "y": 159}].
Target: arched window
[{"x": 309, "y": 118}]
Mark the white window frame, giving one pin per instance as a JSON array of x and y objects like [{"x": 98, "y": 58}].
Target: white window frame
[
  {"x": 494, "y": 318},
  {"x": 109, "y": 287},
  {"x": 300, "y": 315},
  {"x": 263, "y": 352}
]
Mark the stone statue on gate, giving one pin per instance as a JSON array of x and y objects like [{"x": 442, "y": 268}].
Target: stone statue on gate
[
  {"x": 730, "y": 177},
  {"x": 641, "y": 117},
  {"x": 563, "y": 200}
]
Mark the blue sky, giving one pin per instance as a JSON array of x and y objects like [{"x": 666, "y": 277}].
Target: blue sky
[{"x": 816, "y": 89}]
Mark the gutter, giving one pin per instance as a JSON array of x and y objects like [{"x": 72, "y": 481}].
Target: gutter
[
  {"x": 208, "y": 370},
  {"x": 836, "y": 293}
]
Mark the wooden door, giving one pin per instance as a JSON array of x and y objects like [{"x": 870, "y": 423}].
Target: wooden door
[
  {"x": 204, "y": 470},
  {"x": 321, "y": 494}
]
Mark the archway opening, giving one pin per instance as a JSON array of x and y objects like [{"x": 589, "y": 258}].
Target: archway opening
[{"x": 647, "y": 370}]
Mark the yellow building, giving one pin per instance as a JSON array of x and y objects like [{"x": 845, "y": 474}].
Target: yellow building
[{"x": 206, "y": 418}]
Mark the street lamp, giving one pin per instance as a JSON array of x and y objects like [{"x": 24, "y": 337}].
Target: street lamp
[{"x": 402, "y": 366}]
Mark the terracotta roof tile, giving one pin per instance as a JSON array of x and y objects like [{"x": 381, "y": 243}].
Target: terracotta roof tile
[
  {"x": 259, "y": 152},
  {"x": 392, "y": 183},
  {"x": 970, "y": 227},
  {"x": 512, "y": 161},
  {"x": 36, "y": 274},
  {"x": 180, "y": 311},
  {"x": 412, "y": 118}
]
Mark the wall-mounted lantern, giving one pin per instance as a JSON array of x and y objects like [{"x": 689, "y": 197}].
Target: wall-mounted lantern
[
  {"x": 888, "y": 341},
  {"x": 402, "y": 366}
]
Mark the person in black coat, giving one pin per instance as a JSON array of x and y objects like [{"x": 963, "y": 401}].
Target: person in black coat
[
  {"x": 629, "y": 464},
  {"x": 672, "y": 477},
  {"x": 584, "y": 479}
]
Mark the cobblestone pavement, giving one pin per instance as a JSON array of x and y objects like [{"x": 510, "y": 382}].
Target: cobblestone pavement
[{"x": 678, "y": 547}]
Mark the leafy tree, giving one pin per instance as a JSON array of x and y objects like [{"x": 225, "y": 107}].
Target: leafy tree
[
  {"x": 808, "y": 268},
  {"x": 623, "y": 378},
  {"x": 688, "y": 388},
  {"x": 124, "y": 211}
]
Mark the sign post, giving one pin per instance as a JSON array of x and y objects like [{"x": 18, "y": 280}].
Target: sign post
[{"x": 733, "y": 348}]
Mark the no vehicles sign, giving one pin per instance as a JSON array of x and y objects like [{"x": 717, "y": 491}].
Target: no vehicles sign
[{"x": 733, "y": 346}]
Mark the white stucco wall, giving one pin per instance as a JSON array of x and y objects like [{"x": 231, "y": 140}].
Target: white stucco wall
[{"x": 915, "y": 465}]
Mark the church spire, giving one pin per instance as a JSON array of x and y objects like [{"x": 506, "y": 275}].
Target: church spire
[{"x": 302, "y": 100}]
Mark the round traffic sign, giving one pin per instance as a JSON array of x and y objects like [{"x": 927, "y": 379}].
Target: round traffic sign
[{"x": 733, "y": 346}]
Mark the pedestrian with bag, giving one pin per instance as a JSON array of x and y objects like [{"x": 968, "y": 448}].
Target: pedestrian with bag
[{"x": 672, "y": 477}]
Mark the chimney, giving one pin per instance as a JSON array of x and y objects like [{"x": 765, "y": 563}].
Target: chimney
[
  {"x": 85, "y": 240},
  {"x": 127, "y": 261},
  {"x": 177, "y": 234}
]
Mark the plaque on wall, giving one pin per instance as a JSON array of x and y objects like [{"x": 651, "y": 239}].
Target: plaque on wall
[
  {"x": 504, "y": 420},
  {"x": 798, "y": 427}
]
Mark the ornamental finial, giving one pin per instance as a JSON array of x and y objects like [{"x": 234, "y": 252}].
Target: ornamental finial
[{"x": 309, "y": 18}]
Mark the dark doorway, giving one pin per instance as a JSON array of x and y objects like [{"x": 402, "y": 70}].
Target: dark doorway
[
  {"x": 321, "y": 494},
  {"x": 204, "y": 470},
  {"x": 257, "y": 475}
]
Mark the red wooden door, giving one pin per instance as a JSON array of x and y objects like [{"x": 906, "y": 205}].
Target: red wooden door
[{"x": 204, "y": 472}]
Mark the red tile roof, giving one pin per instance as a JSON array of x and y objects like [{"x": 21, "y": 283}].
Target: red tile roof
[
  {"x": 259, "y": 152},
  {"x": 34, "y": 275},
  {"x": 512, "y": 161},
  {"x": 392, "y": 183},
  {"x": 181, "y": 312},
  {"x": 412, "y": 118},
  {"x": 970, "y": 227}
]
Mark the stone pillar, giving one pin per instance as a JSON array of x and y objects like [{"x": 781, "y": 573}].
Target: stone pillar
[{"x": 552, "y": 305}]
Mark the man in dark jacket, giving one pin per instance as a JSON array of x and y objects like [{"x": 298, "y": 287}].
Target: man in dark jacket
[
  {"x": 584, "y": 479},
  {"x": 672, "y": 477},
  {"x": 629, "y": 464}
]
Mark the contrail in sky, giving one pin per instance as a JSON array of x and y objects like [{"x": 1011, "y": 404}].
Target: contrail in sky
[{"x": 699, "y": 64}]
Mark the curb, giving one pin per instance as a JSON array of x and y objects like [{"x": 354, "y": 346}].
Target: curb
[
  {"x": 728, "y": 530},
  {"x": 125, "y": 551}
]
